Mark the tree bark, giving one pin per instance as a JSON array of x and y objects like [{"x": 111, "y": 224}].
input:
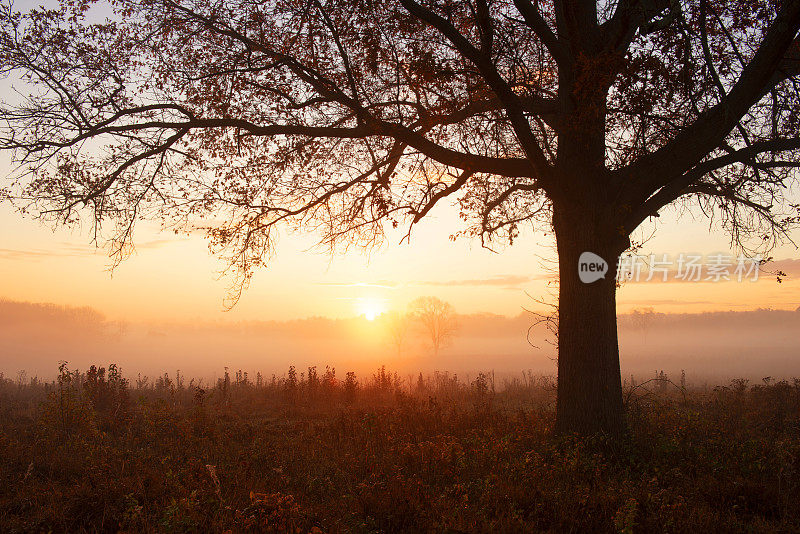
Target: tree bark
[{"x": 589, "y": 383}]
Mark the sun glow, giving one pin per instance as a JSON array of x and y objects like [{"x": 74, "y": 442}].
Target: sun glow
[{"x": 370, "y": 308}]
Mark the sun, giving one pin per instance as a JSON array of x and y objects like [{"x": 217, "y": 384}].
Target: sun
[{"x": 370, "y": 308}]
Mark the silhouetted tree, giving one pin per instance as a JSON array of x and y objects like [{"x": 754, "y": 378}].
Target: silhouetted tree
[
  {"x": 344, "y": 116},
  {"x": 642, "y": 319},
  {"x": 397, "y": 326},
  {"x": 437, "y": 319}
]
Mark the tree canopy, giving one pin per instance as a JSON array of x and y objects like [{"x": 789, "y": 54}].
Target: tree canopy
[{"x": 340, "y": 116}]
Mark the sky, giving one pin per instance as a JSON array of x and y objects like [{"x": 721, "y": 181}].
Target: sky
[
  {"x": 176, "y": 278},
  {"x": 166, "y": 303}
]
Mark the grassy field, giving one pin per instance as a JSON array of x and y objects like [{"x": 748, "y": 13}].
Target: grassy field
[{"x": 318, "y": 452}]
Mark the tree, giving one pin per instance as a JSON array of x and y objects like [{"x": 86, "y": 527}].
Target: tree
[
  {"x": 397, "y": 325},
  {"x": 437, "y": 318},
  {"x": 581, "y": 117},
  {"x": 642, "y": 319}
]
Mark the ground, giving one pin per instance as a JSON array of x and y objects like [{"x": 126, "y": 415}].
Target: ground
[{"x": 92, "y": 452}]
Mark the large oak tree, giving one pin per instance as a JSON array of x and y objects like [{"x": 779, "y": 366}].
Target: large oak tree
[{"x": 344, "y": 116}]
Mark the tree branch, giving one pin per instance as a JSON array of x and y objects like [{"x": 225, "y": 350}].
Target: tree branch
[
  {"x": 678, "y": 186},
  {"x": 513, "y": 106},
  {"x": 535, "y": 21},
  {"x": 653, "y": 171}
]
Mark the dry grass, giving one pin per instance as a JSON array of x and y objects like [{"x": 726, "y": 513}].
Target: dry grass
[{"x": 314, "y": 453}]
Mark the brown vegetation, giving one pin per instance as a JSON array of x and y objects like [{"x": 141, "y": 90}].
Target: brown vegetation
[{"x": 313, "y": 451}]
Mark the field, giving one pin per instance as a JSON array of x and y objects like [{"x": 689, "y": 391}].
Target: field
[{"x": 318, "y": 452}]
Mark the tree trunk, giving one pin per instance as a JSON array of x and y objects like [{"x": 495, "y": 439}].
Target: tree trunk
[{"x": 589, "y": 383}]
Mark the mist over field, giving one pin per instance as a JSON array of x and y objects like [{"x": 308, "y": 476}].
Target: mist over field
[{"x": 710, "y": 347}]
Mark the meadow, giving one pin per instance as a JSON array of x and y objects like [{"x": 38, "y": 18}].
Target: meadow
[{"x": 313, "y": 451}]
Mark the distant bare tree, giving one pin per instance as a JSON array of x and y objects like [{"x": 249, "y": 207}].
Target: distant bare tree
[
  {"x": 437, "y": 318},
  {"x": 642, "y": 319},
  {"x": 397, "y": 327}
]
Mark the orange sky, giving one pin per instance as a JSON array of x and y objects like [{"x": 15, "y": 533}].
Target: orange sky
[{"x": 175, "y": 278}]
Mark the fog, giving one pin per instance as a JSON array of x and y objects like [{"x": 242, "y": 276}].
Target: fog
[{"x": 710, "y": 347}]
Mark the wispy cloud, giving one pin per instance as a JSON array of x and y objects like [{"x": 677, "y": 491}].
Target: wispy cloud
[
  {"x": 37, "y": 254},
  {"x": 382, "y": 284},
  {"x": 669, "y": 302},
  {"x": 507, "y": 281},
  {"x": 155, "y": 243},
  {"x": 66, "y": 249},
  {"x": 789, "y": 266}
]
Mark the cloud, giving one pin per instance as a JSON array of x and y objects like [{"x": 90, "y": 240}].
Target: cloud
[
  {"x": 670, "y": 302},
  {"x": 155, "y": 243},
  {"x": 506, "y": 281},
  {"x": 35, "y": 254},
  {"x": 382, "y": 284},
  {"x": 789, "y": 266},
  {"x": 509, "y": 281},
  {"x": 66, "y": 249}
]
